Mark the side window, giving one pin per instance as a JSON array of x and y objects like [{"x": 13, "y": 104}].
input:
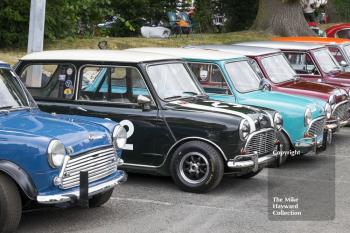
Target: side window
[
  {"x": 337, "y": 54},
  {"x": 112, "y": 84},
  {"x": 302, "y": 63},
  {"x": 344, "y": 33},
  {"x": 210, "y": 77},
  {"x": 54, "y": 81}
]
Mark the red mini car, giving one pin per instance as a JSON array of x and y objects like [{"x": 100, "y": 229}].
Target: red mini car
[
  {"x": 312, "y": 62},
  {"x": 339, "y": 31}
]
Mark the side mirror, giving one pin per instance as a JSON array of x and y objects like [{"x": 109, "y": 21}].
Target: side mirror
[
  {"x": 343, "y": 63},
  {"x": 264, "y": 85},
  {"x": 144, "y": 102}
]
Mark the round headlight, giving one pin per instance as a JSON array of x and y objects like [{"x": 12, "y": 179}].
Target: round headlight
[
  {"x": 331, "y": 100},
  {"x": 308, "y": 117},
  {"x": 328, "y": 110},
  {"x": 119, "y": 136},
  {"x": 244, "y": 129},
  {"x": 278, "y": 120},
  {"x": 56, "y": 153}
]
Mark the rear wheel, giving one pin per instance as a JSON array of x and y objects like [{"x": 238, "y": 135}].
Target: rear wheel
[
  {"x": 196, "y": 167},
  {"x": 10, "y": 205},
  {"x": 100, "y": 199}
]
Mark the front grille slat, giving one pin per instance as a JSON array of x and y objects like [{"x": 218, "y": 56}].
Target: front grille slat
[
  {"x": 317, "y": 127},
  {"x": 262, "y": 142},
  {"x": 88, "y": 156},
  {"x": 91, "y": 179},
  {"x": 88, "y": 163},
  {"x": 98, "y": 164},
  {"x": 342, "y": 111},
  {"x": 93, "y": 169}
]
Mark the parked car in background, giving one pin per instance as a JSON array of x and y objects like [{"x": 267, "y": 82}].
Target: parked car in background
[
  {"x": 339, "y": 31},
  {"x": 312, "y": 62},
  {"x": 51, "y": 159},
  {"x": 173, "y": 128},
  {"x": 271, "y": 64},
  {"x": 229, "y": 77},
  {"x": 339, "y": 48}
]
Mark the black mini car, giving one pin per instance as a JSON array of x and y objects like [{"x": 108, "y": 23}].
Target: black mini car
[{"x": 172, "y": 126}]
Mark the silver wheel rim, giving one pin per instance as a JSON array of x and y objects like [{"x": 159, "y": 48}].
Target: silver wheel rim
[{"x": 194, "y": 167}]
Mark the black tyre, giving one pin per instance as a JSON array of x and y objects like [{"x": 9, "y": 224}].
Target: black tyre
[
  {"x": 10, "y": 205},
  {"x": 100, "y": 199},
  {"x": 196, "y": 167},
  {"x": 250, "y": 174},
  {"x": 284, "y": 147}
]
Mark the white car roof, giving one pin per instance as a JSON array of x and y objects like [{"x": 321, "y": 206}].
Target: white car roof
[
  {"x": 240, "y": 49},
  {"x": 192, "y": 53},
  {"x": 283, "y": 45},
  {"x": 97, "y": 55}
]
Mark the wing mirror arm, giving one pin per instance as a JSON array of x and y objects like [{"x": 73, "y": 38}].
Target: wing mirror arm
[
  {"x": 144, "y": 102},
  {"x": 264, "y": 85}
]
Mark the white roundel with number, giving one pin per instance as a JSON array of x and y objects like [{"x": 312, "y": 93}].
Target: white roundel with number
[{"x": 129, "y": 127}]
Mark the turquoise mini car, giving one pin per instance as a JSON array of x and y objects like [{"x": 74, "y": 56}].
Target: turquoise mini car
[{"x": 230, "y": 78}]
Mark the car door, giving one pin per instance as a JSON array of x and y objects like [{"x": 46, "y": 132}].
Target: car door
[{"x": 112, "y": 92}]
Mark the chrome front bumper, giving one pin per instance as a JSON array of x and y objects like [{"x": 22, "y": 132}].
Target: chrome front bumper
[
  {"x": 252, "y": 161},
  {"x": 310, "y": 145},
  {"x": 73, "y": 196}
]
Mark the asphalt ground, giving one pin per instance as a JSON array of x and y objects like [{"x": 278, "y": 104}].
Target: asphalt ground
[{"x": 320, "y": 184}]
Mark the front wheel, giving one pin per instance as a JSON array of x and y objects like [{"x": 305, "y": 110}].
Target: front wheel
[
  {"x": 196, "y": 167},
  {"x": 10, "y": 205},
  {"x": 100, "y": 199},
  {"x": 283, "y": 149}
]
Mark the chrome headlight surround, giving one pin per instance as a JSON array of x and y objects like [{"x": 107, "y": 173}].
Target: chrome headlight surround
[
  {"x": 244, "y": 129},
  {"x": 328, "y": 110},
  {"x": 332, "y": 100},
  {"x": 119, "y": 137},
  {"x": 278, "y": 121},
  {"x": 307, "y": 117},
  {"x": 56, "y": 153}
]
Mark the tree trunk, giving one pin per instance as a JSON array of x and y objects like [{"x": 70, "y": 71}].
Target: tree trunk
[
  {"x": 284, "y": 18},
  {"x": 331, "y": 12}
]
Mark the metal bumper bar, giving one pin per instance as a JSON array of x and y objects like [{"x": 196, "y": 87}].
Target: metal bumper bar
[
  {"x": 73, "y": 196},
  {"x": 251, "y": 161}
]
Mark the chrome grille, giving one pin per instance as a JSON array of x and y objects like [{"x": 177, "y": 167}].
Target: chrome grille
[
  {"x": 262, "y": 142},
  {"x": 317, "y": 126},
  {"x": 98, "y": 163},
  {"x": 342, "y": 111}
]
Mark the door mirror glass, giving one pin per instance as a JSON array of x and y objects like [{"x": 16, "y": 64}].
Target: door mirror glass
[
  {"x": 343, "y": 63},
  {"x": 144, "y": 102}
]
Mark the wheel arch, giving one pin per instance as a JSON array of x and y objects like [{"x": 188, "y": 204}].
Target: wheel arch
[
  {"x": 284, "y": 132},
  {"x": 188, "y": 139},
  {"x": 20, "y": 177}
]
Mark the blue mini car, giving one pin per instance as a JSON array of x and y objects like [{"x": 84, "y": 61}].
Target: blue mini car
[
  {"x": 229, "y": 77},
  {"x": 50, "y": 158}
]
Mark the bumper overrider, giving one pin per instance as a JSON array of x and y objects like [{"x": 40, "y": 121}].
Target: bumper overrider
[
  {"x": 84, "y": 176},
  {"x": 318, "y": 135},
  {"x": 258, "y": 152}
]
